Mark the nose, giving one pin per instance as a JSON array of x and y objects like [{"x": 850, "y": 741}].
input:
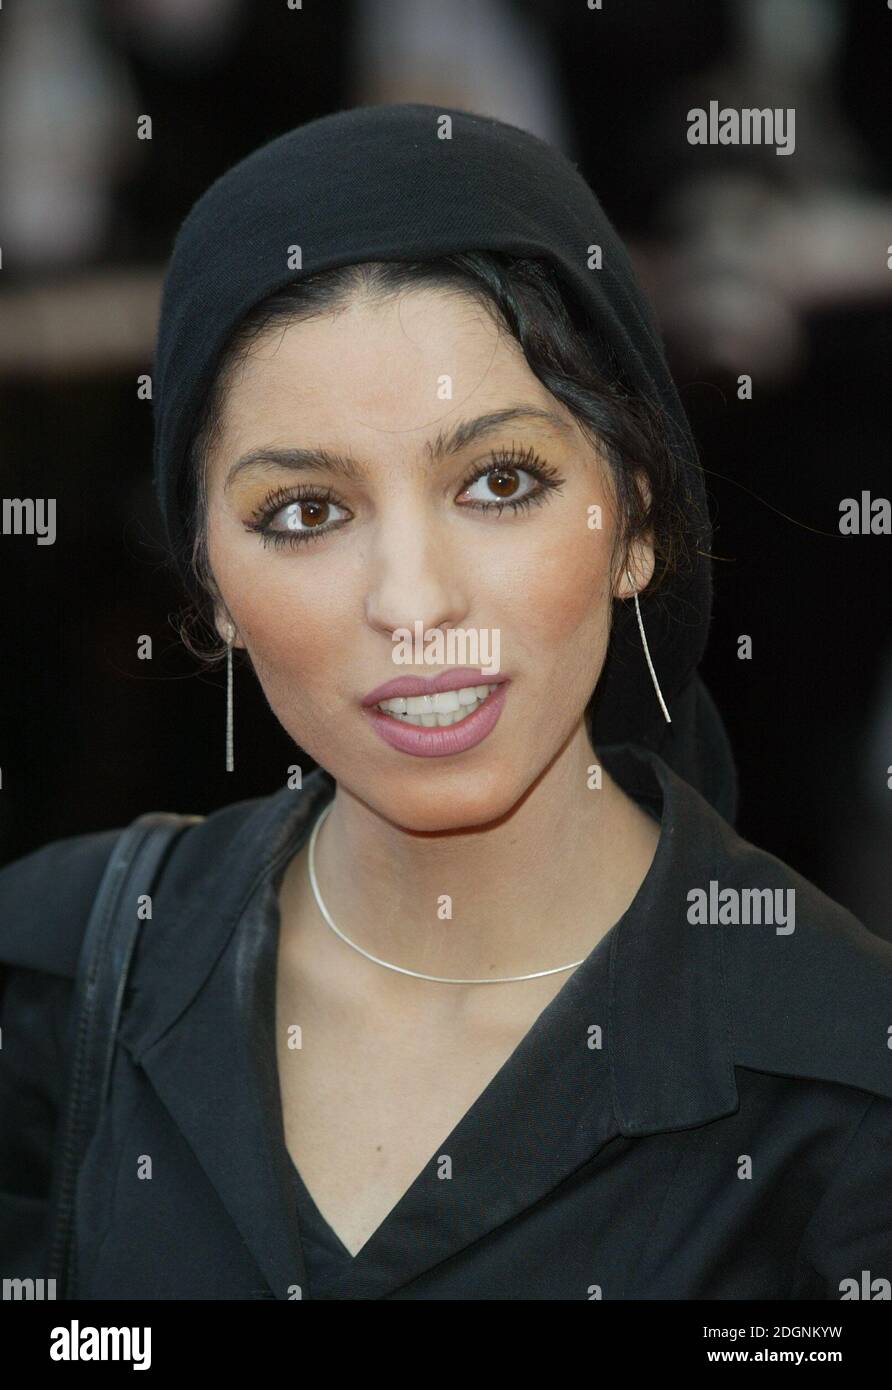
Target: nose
[{"x": 413, "y": 577}]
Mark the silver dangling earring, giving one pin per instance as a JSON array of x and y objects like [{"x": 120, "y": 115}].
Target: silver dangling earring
[
  {"x": 650, "y": 665},
  {"x": 230, "y": 633}
]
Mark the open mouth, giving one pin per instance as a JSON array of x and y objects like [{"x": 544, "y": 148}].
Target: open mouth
[{"x": 437, "y": 711}]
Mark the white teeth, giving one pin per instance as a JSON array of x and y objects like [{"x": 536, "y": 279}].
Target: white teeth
[{"x": 437, "y": 711}]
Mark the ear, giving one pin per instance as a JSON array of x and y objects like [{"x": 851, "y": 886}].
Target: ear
[
  {"x": 226, "y": 628},
  {"x": 637, "y": 569},
  {"x": 637, "y": 565}
]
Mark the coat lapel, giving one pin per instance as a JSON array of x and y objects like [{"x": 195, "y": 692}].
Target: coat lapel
[
  {"x": 201, "y": 1024},
  {"x": 202, "y": 1073}
]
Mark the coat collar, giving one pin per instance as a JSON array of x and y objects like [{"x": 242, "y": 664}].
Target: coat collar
[
  {"x": 672, "y": 1058},
  {"x": 209, "y": 953}
]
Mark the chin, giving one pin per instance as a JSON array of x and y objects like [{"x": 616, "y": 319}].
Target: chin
[{"x": 462, "y": 800}]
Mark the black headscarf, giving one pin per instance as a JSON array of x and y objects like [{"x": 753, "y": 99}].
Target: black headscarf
[{"x": 409, "y": 182}]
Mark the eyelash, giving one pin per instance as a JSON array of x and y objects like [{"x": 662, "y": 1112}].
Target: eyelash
[{"x": 502, "y": 459}]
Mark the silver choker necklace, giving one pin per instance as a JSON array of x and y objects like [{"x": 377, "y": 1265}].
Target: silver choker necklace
[{"x": 439, "y": 979}]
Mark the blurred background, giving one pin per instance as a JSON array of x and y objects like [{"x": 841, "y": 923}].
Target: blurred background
[{"x": 777, "y": 267}]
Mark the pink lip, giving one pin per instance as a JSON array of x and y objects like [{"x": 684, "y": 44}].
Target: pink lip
[
  {"x": 440, "y": 742},
  {"x": 458, "y": 678}
]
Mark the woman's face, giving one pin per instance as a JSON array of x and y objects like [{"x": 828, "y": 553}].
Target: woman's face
[{"x": 392, "y": 537}]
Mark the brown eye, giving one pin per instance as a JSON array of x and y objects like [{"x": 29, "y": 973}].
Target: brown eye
[
  {"x": 287, "y": 517},
  {"x": 303, "y": 514},
  {"x": 311, "y": 513},
  {"x": 500, "y": 484},
  {"x": 503, "y": 482}
]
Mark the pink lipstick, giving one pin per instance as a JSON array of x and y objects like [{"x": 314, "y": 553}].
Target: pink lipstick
[
  {"x": 438, "y": 741},
  {"x": 454, "y": 679}
]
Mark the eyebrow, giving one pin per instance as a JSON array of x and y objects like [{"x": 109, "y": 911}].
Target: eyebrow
[{"x": 444, "y": 446}]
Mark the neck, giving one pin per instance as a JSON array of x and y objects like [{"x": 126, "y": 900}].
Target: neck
[{"x": 536, "y": 889}]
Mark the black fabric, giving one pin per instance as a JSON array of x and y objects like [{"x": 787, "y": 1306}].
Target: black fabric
[
  {"x": 325, "y": 1255},
  {"x": 580, "y": 1172},
  {"x": 379, "y": 183}
]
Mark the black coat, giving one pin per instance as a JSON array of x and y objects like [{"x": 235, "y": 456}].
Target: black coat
[{"x": 704, "y": 1110}]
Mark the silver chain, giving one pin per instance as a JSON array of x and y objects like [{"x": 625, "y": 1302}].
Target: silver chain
[{"x": 439, "y": 979}]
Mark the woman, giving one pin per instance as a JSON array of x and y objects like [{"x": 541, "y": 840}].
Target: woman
[{"x": 497, "y": 1004}]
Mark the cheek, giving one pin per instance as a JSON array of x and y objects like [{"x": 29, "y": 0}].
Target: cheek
[
  {"x": 294, "y": 631},
  {"x": 291, "y": 611},
  {"x": 560, "y": 590}
]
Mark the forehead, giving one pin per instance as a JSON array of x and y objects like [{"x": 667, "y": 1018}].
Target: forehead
[{"x": 382, "y": 372}]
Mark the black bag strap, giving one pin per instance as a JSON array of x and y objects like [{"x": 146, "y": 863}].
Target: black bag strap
[{"x": 133, "y": 868}]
